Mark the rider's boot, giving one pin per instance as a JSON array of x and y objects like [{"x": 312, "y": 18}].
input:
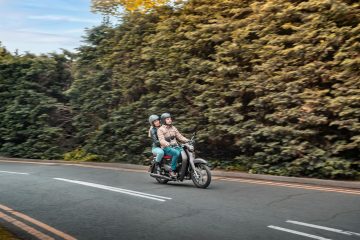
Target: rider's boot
[
  {"x": 172, "y": 174},
  {"x": 157, "y": 169}
]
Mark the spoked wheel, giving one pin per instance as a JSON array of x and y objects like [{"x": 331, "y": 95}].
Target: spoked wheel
[{"x": 201, "y": 176}]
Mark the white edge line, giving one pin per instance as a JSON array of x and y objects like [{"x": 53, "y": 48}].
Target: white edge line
[
  {"x": 14, "y": 172},
  {"x": 28, "y": 162},
  {"x": 137, "y": 194},
  {"x": 298, "y": 233},
  {"x": 323, "y": 228}
]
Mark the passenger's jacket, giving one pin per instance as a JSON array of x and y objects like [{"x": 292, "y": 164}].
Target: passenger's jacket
[
  {"x": 168, "y": 135},
  {"x": 154, "y": 137}
]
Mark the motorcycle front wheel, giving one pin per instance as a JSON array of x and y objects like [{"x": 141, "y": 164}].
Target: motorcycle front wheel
[{"x": 202, "y": 177}]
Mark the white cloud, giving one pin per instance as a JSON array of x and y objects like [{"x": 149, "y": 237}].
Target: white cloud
[
  {"x": 38, "y": 42},
  {"x": 73, "y": 31},
  {"x": 62, "y": 18},
  {"x": 69, "y": 7},
  {"x": 40, "y": 27}
]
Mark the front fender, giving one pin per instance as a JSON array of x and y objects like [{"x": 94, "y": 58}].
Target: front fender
[{"x": 200, "y": 160}]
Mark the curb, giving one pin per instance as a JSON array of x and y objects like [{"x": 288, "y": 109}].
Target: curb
[
  {"x": 309, "y": 181},
  {"x": 216, "y": 173}
]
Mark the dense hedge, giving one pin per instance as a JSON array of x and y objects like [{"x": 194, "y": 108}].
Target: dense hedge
[
  {"x": 270, "y": 86},
  {"x": 35, "y": 121}
]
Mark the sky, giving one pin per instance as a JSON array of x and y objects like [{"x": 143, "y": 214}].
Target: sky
[{"x": 43, "y": 26}]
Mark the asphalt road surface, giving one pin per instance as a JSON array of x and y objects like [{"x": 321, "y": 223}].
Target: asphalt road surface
[{"x": 56, "y": 201}]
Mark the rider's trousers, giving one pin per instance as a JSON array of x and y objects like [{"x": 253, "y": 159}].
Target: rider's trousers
[{"x": 175, "y": 153}]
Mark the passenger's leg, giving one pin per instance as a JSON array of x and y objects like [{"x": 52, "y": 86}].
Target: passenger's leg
[{"x": 159, "y": 154}]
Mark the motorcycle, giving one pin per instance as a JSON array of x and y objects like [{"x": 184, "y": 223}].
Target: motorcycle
[{"x": 188, "y": 167}]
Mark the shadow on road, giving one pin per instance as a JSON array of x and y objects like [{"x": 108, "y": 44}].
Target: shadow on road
[{"x": 184, "y": 185}]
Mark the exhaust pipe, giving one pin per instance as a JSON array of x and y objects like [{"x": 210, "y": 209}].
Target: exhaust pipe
[{"x": 160, "y": 176}]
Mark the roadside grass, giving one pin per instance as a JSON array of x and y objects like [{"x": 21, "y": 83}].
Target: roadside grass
[{"x": 6, "y": 235}]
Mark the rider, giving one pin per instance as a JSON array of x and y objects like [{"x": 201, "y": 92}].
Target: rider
[
  {"x": 168, "y": 134},
  {"x": 154, "y": 121}
]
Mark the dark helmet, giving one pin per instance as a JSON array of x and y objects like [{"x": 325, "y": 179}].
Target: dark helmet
[
  {"x": 164, "y": 116},
  {"x": 153, "y": 118}
]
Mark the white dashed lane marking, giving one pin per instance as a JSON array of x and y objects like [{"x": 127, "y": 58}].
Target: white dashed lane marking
[
  {"x": 334, "y": 230},
  {"x": 14, "y": 172},
  {"x": 298, "y": 233},
  {"x": 119, "y": 190},
  {"x": 324, "y": 228}
]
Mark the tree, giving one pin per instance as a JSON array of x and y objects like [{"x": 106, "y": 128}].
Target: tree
[
  {"x": 112, "y": 6},
  {"x": 269, "y": 93},
  {"x": 270, "y": 86},
  {"x": 35, "y": 120}
]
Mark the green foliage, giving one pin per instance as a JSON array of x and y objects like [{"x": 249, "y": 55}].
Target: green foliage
[
  {"x": 35, "y": 120},
  {"x": 80, "y": 154},
  {"x": 271, "y": 86}
]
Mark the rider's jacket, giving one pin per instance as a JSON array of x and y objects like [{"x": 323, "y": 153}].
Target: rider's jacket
[{"x": 168, "y": 135}]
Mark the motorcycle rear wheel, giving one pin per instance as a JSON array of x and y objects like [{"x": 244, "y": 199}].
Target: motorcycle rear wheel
[
  {"x": 205, "y": 176},
  {"x": 162, "y": 181}
]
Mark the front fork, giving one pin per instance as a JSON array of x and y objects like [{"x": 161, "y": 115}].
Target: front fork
[{"x": 193, "y": 167}]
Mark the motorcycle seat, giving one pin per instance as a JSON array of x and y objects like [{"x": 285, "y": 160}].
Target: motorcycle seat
[{"x": 165, "y": 156}]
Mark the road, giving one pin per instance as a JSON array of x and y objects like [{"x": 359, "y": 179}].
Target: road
[{"x": 57, "y": 201}]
